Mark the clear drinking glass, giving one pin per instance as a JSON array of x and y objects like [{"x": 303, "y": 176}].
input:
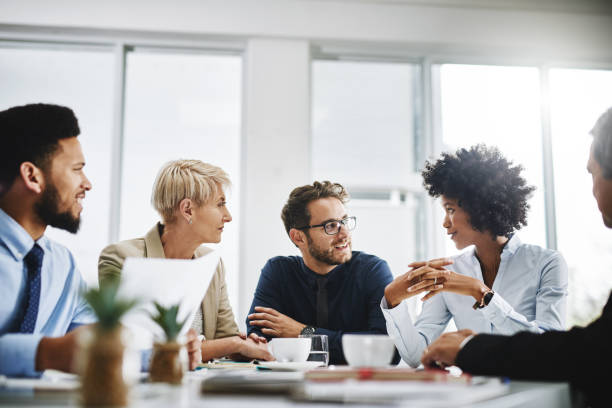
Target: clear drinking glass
[{"x": 319, "y": 348}]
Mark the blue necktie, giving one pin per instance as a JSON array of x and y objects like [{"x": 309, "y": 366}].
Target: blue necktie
[{"x": 33, "y": 261}]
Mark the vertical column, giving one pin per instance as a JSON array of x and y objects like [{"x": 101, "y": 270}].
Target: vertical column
[
  {"x": 117, "y": 143},
  {"x": 432, "y": 125},
  {"x": 275, "y": 151},
  {"x": 547, "y": 160}
]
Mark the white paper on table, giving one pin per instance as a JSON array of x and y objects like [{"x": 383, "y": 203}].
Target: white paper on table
[
  {"x": 409, "y": 393},
  {"x": 50, "y": 380},
  {"x": 167, "y": 282}
]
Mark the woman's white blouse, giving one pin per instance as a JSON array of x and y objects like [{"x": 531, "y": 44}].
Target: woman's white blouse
[{"x": 530, "y": 294}]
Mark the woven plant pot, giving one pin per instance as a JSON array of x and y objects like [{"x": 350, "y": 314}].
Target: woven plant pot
[
  {"x": 168, "y": 363},
  {"x": 102, "y": 381}
]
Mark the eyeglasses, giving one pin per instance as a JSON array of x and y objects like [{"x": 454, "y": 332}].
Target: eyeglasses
[{"x": 333, "y": 227}]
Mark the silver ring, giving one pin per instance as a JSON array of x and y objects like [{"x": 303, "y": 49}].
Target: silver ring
[{"x": 435, "y": 280}]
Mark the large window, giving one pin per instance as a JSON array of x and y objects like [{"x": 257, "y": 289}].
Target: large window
[
  {"x": 180, "y": 107},
  {"x": 363, "y": 135},
  {"x": 498, "y": 106},
  {"x": 83, "y": 80},
  {"x": 177, "y": 105},
  {"x": 578, "y": 97},
  {"x": 372, "y": 122},
  {"x": 502, "y": 106},
  {"x": 362, "y": 123}
]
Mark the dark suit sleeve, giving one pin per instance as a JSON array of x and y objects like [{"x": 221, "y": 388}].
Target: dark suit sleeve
[
  {"x": 267, "y": 294},
  {"x": 577, "y": 355}
]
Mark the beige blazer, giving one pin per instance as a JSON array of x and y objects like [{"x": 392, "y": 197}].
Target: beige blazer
[{"x": 217, "y": 315}]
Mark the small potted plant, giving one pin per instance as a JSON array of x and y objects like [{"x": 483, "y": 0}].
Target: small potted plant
[
  {"x": 103, "y": 382},
  {"x": 169, "y": 360}
]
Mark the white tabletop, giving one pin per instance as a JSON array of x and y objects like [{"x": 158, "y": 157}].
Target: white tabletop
[{"x": 515, "y": 394}]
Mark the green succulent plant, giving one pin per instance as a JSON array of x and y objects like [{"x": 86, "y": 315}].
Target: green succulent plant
[
  {"x": 166, "y": 318},
  {"x": 106, "y": 306}
]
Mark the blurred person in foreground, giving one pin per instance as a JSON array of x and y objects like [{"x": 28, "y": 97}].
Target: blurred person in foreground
[
  {"x": 329, "y": 290},
  {"x": 42, "y": 183},
  {"x": 189, "y": 196},
  {"x": 577, "y": 355},
  {"x": 500, "y": 285}
]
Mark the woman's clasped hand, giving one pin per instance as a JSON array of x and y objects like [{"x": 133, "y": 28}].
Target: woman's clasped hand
[{"x": 432, "y": 277}]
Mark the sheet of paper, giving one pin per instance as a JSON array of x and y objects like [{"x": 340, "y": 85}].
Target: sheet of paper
[
  {"x": 411, "y": 393},
  {"x": 168, "y": 282},
  {"x": 50, "y": 380}
]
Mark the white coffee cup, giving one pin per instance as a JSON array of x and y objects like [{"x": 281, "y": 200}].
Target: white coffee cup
[
  {"x": 290, "y": 349},
  {"x": 368, "y": 350}
]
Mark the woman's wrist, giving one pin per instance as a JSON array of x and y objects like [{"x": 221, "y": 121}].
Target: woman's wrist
[
  {"x": 390, "y": 298},
  {"x": 479, "y": 291},
  {"x": 237, "y": 344}
]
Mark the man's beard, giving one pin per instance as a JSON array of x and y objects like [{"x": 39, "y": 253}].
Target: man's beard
[
  {"x": 326, "y": 255},
  {"x": 47, "y": 210}
]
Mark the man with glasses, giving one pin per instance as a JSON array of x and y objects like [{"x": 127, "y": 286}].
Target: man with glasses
[{"x": 330, "y": 289}]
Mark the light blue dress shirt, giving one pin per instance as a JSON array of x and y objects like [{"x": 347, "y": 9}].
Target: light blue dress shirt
[
  {"x": 530, "y": 294},
  {"x": 61, "y": 306}
]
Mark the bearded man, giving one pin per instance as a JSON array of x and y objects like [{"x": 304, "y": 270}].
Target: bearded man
[
  {"x": 330, "y": 289},
  {"x": 42, "y": 183}
]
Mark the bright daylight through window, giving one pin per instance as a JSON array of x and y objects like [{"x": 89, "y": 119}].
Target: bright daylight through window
[
  {"x": 181, "y": 106},
  {"x": 83, "y": 80},
  {"x": 578, "y": 99},
  {"x": 363, "y": 137},
  {"x": 500, "y": 106}
]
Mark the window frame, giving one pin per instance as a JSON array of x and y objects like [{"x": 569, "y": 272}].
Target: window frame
[
  {"x": 120, "y": 43},
  {"x": 428, "y": 132},
  {"x": 428, "y": 136}
]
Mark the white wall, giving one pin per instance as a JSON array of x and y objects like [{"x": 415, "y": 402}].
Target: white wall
[
  {"x": 275, "y": 151},
  {"x": 447, "y": 29}
]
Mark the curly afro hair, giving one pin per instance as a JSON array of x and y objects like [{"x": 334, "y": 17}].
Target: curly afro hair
[{"x": 486, "y": 185}]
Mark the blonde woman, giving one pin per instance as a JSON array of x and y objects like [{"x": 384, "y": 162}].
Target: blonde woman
[{"x": 190, "y": 199}]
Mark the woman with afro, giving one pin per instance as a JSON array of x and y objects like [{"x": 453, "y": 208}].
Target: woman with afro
[{"x": 500, "y": 285}]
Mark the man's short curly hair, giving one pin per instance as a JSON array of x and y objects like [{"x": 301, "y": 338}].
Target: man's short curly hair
[
  {"x": 295, "y": 213},
  {"x": 485, "y": 184}
]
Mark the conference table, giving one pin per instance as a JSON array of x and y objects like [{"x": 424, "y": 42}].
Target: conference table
[{"x": 505, "y": 394}]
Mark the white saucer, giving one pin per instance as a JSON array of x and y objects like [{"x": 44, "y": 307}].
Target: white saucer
[{"x": 290, "y": 366}]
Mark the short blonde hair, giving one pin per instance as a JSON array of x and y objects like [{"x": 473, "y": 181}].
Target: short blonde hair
[{"x": 180, "y": 179}]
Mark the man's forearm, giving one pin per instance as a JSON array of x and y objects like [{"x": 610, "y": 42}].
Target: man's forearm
[{"x": 55, "y": 353}]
